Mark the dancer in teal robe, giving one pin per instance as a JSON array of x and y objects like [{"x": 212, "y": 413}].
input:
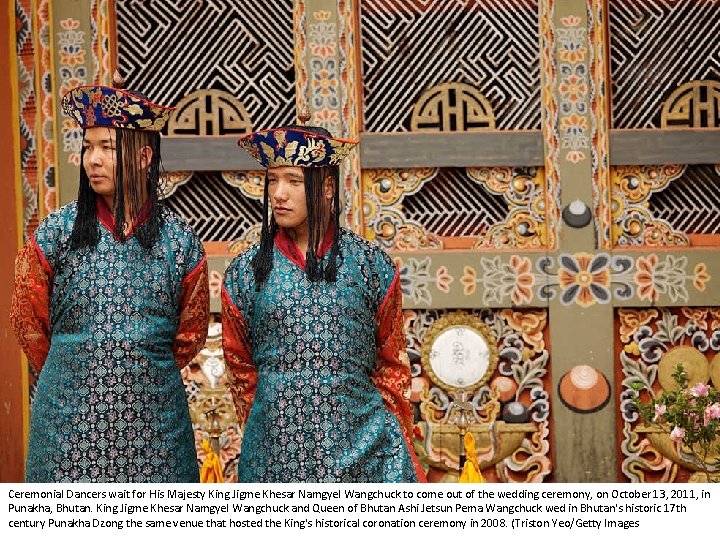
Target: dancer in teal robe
[
  {"x": 110, "y": 302},
  {"x": 313, "y": 331}
]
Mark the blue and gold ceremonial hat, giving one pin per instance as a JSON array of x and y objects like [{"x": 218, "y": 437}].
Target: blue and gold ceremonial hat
[
  {"x": 296, "y": 147},
  {"x": 92, "y": 106}
]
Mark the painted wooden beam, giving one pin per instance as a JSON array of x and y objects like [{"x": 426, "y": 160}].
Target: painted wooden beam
[
  {"x": 487, "y": 149},
  {"x": 377, "y": 150},
  {"x": 467, "y": 149},
  {"x": 664, "y": 146},
  {"x": 206, "y": 154}
]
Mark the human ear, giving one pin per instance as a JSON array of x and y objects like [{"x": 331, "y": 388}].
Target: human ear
[
  {"x": 146, "y": 154},
  {"x": 329, "y": 187}
]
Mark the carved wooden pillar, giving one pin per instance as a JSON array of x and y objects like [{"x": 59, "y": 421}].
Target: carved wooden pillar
[
  {"x": 326, "y": 74},
  {"x": 576, "y": 163}
]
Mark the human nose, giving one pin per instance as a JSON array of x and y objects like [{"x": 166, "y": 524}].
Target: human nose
[
  {"x": 93, "y": 156},
  {"x": 280, "y": 192}
]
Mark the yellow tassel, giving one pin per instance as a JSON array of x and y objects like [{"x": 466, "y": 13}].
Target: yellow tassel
[
  {"x": 471, "y": 470},
  {"x": 211, "y": 472}
]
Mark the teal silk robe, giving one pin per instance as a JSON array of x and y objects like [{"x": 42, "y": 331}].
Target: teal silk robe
[
  {"x": 318, "y": 370},
  {"x": 108, "y": 330}
]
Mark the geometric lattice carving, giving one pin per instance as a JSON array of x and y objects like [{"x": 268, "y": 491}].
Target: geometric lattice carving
[
  {"x": 454, "y": 205},
  {"x": 209, "y": 112},
  {"x": 170, "y": 49},
  {"x": 217, "y": 211},
  {"x": 691, "y": 203},
  {"x": 452, "y": 107},
  {"x": 694, "y": 104},
  {"x": 409, "y": 46},
  {"x": 655, "y": 47},
  {"x": 453, "y": 208}
]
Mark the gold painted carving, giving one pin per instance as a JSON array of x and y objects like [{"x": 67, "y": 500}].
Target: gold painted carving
[
  {"x": 251, "y": 183},
  {"x": 493, "y": 442},
  {"x": 209, "y": 112},
  {"x": 694, "y": 104},
  {"x": 251, "y": 236},
  {"x": 383, "y": 192},
  {"x": 524, "y": 193},
  {"x": 681, "y": 454},
  {"x": 171, "y": 180},
  {"x": 633, "y": 224},
  {"x": 452, "y": 107}
]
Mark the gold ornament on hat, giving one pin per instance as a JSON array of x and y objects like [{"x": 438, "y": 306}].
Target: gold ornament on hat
[
  {"x": 117, "y": 80},
  {"x": 304, "y": 116}
]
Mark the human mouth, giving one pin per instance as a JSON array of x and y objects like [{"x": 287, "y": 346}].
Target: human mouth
[{"x": 281, "y": 210}]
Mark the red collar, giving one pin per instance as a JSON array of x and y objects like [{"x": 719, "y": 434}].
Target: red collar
[
  {"x": 107, "y": 218},
  {"x": 288, "y": 248}
]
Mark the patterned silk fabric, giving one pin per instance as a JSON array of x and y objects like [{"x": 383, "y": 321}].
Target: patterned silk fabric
[
  {"x": 110, "y": 404},
  {"x": 317, "y": 374}
]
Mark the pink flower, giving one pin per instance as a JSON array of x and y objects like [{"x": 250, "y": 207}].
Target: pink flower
[
  {"x": 699, "y": 390},
  {"x": 659, "y": 411},
  {"x": 711, "y": 412},
  {"x": 677, "y": 434}
]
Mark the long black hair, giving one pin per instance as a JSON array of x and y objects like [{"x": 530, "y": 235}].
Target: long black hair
[
  {"x": 134, "y": 188},
  {"x": 317, "y": 208}
]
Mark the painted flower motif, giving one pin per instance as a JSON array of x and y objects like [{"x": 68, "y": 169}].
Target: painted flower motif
[
  {"x": 469, "y": 280},
  {"x": 70, "y": 43},
  {"x": 699, "y": 390},
  {"x": 584, "y": 279},
  {"x": 701, "y": 276},
  {"x": 575, "y": 156},
  {"x": 321, "y": 37},
  {"x": 645, "y": 277},
  {"x": 70, "y": 24},
  {"x": 573, "y": 124},
  {"x": 677, "y": 434},
  {"x": 522, "y": 293},
  {"x": 326, "y": 118},
  {"x": 324, "y": 82},
  {"x": 321, "y": 15},
  {"x": 573, "y": 88},
  {"x": 659, "y": 411},
  {"x": 72, "y": 136},
  {"x": 570, "y": 20},
  {"x": 572, "y": 52},
  {"x": 415, "y": 278},
  {"x": 632, "y": 348},
  {"x": 444, "y": 279}
]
